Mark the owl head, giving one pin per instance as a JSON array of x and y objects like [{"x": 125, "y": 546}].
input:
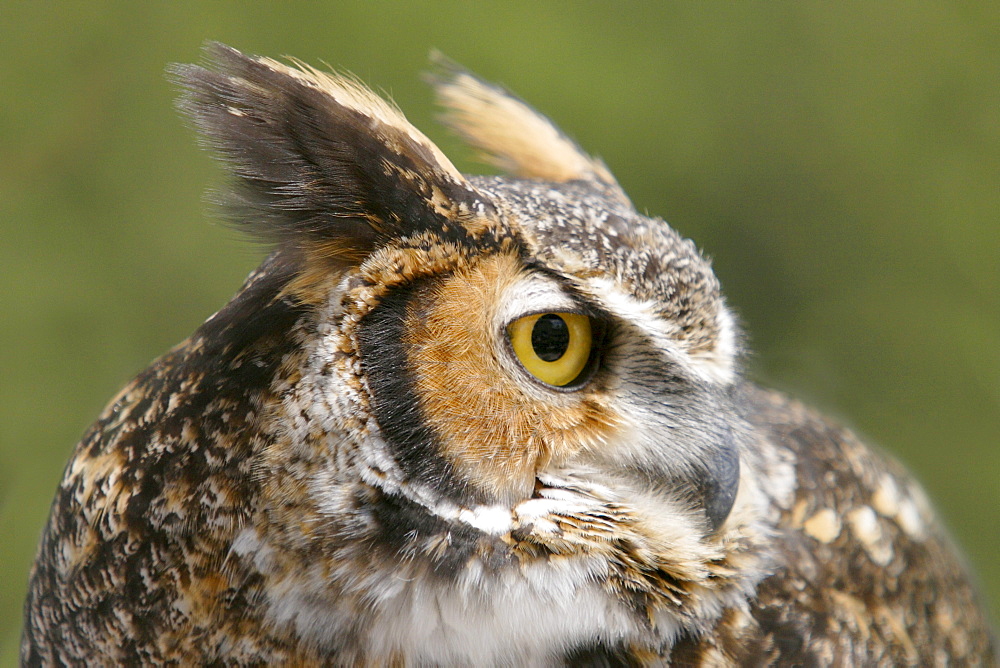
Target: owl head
[{"x": 522, "y": 359}]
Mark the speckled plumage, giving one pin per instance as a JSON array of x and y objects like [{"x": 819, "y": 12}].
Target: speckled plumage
[{"x": 348, "y": 465}]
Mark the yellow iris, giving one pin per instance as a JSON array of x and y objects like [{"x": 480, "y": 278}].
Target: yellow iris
[{"x": 553, "y": 347}]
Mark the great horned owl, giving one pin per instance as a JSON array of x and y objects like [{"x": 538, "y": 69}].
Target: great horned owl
[{"x": 471, "y": 420}]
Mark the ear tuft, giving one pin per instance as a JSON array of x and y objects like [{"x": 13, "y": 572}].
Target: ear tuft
[
  {"x": 320, "y": 161},
  {"x": 509, "y": 133}
]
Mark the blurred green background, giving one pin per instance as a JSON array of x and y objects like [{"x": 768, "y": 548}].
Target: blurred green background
[{"x": 839, "y": 161}]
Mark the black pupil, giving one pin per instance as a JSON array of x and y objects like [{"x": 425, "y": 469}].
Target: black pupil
[{"x": 550, "y": 337}]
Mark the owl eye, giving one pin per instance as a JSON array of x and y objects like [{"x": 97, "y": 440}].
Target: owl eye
[{"x": 552, "y": 347}]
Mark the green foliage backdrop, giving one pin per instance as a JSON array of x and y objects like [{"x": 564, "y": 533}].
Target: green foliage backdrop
[{"x": 839, "y": 161}]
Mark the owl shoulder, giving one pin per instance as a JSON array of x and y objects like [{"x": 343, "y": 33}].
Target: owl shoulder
[{"x": 864, "y": 572}]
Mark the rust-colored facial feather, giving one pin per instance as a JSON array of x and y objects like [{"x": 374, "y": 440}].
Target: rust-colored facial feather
[{"x": 494, "y": 430}]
